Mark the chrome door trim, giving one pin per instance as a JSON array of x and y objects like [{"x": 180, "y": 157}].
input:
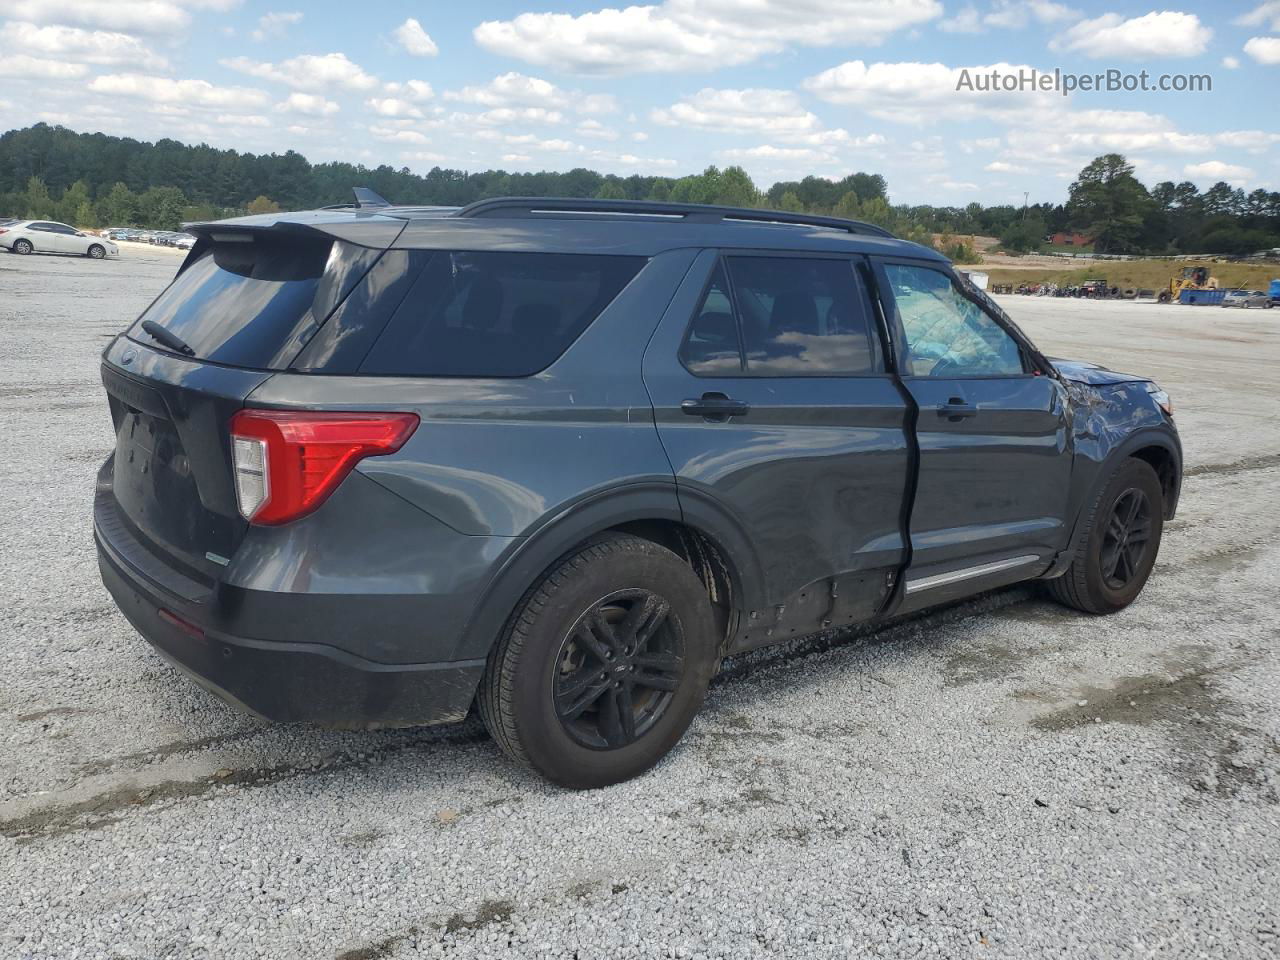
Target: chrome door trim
[{"x": 968, "y": 573}]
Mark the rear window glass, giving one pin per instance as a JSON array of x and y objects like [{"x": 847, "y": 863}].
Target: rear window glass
[
  {"x": 496, "y": 314},
  {"x": 244, "y": 304}
]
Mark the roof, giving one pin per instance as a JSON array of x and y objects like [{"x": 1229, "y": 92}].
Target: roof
[{"x": 567, "y": 225}]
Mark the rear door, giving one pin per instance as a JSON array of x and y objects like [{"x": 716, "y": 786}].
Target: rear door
[
  {"x": 244, "y": 306},
  {"x": 993, "y": 433},
  {"x": 68, "y": 239},
  {"x": 774, "y": 406}
]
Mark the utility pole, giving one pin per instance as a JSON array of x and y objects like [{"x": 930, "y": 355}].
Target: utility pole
[{"x": 1026, "y": 196}]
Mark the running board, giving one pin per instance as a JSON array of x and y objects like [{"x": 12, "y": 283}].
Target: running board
[{"x": 968, "y": 573}]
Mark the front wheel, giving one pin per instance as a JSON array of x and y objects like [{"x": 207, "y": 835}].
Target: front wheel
[
  {"x": 1117, "y": 548},
  {"x": 603, "y": 665},
  {"x": 22, "y": 246},
  {"x": 97, "y": 251}
]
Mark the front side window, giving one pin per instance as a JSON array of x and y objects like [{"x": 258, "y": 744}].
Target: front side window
[{"x": 948, "y": 335}]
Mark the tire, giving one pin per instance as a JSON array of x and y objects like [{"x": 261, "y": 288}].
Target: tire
[
  {"x": 23, "y": 247},
  {"x": 575, "y": 621},
  {"x": 1111, "y": 566},
  {"x": 97, "y": 251}
]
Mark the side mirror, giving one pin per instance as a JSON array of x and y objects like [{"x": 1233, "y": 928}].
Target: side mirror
[{"x": 81, "y": 234}]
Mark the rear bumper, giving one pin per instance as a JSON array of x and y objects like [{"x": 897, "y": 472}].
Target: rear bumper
[{"x": 287, "y": 681}]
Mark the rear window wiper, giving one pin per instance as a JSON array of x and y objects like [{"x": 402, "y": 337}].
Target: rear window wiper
[{"x": 170, "y": 340}]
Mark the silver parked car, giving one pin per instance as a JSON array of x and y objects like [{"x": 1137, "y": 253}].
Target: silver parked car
[
  {"x": 1246, "y": 298},
  {"x": 48, "y": 236}
]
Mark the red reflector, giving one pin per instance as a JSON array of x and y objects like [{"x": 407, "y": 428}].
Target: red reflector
[
  {"x": 190, "y": 629},
  {"x": 307, "y": 455}
]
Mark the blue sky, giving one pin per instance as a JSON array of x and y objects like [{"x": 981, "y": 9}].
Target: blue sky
[{"x": 782, "y": 87}]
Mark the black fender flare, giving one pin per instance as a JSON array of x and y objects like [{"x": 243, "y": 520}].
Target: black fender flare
[
  {"x": 1151, "y": 436},
  {"x": 531, "y": 555}
]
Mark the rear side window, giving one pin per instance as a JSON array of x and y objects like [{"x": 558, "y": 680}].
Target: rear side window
[
  {"x": 255, "y": 303},
  {"x": 782, "y": 317},
  {"x": 496, "y": 314}
]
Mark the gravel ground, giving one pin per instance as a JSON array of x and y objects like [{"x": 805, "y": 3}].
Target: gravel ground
[{"x": 1001, "y": 779}]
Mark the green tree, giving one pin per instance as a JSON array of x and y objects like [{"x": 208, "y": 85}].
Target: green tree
[
  {"x": 261, "y": 204},
  {"x": 73, "y": 198},
  {"x": 1107, "y": 201},
  {"x": 119, "y": 207},
  {"x": 37, "y": 204},
  {"x": 1023, "y": 236},
  {"x": 611, "y": 189},
  {"x": 161, "y": 207}
]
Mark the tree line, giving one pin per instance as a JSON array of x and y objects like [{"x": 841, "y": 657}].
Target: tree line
[{"x": 92, "y": 179}]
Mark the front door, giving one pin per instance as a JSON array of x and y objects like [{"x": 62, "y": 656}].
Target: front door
[
  {"x": 776, "y": 411},
  {"x": 994, "y": 438}
]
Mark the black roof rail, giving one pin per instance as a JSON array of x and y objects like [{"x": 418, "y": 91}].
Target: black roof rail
[{"x": 517, "y": 207}]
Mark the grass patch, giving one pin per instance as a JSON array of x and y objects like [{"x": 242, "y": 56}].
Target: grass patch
[{"x": 1140, "y": 274}]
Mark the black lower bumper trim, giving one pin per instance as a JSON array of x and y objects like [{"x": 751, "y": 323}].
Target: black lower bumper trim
[{"x": 296, "y": 681}]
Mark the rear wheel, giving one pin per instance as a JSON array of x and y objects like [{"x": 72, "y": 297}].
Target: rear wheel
[
  {"x": 603, "y": 664},
  {"x": 1118, "y": 547},
  {"x": 22, "y": 246},
  {"x": 97, "y": 251}
]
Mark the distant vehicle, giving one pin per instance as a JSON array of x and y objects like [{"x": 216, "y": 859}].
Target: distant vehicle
[
  {"x": 185, "y": 241},
  {"x": 47, "y": 236},
  {"x": 1246, "y": 298},
  {"x": 374, "y": 466},
  {"x": 1192, "y": 278}
]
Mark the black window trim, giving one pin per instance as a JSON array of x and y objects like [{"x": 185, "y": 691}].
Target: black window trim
[
  {"x": 854, "y": 260},
  {"x": 1033, "y": 362}
]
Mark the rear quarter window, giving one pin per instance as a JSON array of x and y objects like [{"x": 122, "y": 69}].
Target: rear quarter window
[{"x": 496, "y": 314}]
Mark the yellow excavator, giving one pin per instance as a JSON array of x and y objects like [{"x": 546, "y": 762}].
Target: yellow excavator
[{"x": 1193, "y": 278}]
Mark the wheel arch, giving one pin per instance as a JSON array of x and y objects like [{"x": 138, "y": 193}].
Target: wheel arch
[
  {"x": 702, "y": 534},
  {"x": 1158, "y": 447}
]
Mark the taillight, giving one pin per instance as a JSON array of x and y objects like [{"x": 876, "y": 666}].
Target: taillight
[
  {"x": 287, "y": 462},
  {"x": 4, "y": 229}
]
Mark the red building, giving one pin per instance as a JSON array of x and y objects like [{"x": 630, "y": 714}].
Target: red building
[{"x": 1069, "y": 240}]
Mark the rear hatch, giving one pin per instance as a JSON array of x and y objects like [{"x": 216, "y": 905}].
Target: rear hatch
[{"x": 243, "y": 305}]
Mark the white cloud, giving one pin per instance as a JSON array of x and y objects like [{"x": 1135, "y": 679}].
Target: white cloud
[
  {"x": 511, "y": 115},
  {"x": 242, "y": 120},
  {"x": 517, "y": 89},
  {"x": 1253, "y": 141},
  {"x": 145, "y": 16},
  {"x": 966, "y": 21},
  {"x": 1267, "y": 14},
  {"x": 773, "y": 112},
  {"x": 311, "y": 104},
  {"x": 1016, "y": 14},
  {"x": 516, "y": 158},
  {"x": 392, "y": 107},
  {"x": 418, "y": 91},
  {"x": 87, "y": 46},
  {"x": 791, "y": 154},
  {"x": 695, "y": 35},
  {"x": 1215, "y": 170},
  {"x": 415, "y": 40},
  {"x": 1265, "y": 50},
  {"x": 275, "y": 24},
  {"x": 1231, "y": 63},
  {"x": 1164, "y": 34},
  {"x": 917, "y": 93},
  {"x": 392, "y": 135},
  {"x": 166, "y": 90},
  {"x": 20, "y": 65},
  {"x": 639, "y": 136},
  {"x": 596, "y": 130},
  {"x": 308, "y": 72},
  {"x": 1000, "y": 166}
]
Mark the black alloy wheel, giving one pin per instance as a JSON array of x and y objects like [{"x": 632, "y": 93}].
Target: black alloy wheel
[
  {"x": 618, "y": 669},
  {"x": 1126, "y": 538}
]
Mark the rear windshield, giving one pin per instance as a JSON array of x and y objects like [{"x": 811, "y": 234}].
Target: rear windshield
[
  {"x": 496, "y": 314},
  {"x": 245, "y": 304}
]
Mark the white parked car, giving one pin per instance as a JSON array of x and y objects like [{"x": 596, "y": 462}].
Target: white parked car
[
  {"x": 48, "y": 236},
  {"x": 1246, "y": 298}
]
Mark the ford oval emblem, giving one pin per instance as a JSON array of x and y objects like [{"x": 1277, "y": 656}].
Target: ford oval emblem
[{"x": 128, "y": 356}]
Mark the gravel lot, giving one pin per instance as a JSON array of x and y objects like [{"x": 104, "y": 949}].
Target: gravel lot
[{"x": 1002, "y": 779}]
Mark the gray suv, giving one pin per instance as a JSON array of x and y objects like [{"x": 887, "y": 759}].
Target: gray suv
[{"x": 556, "y": 459}]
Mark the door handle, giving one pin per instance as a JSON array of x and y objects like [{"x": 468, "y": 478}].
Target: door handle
[
  {"x": 956, "y": 409},
  {"x": 715, "y": 407}
]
